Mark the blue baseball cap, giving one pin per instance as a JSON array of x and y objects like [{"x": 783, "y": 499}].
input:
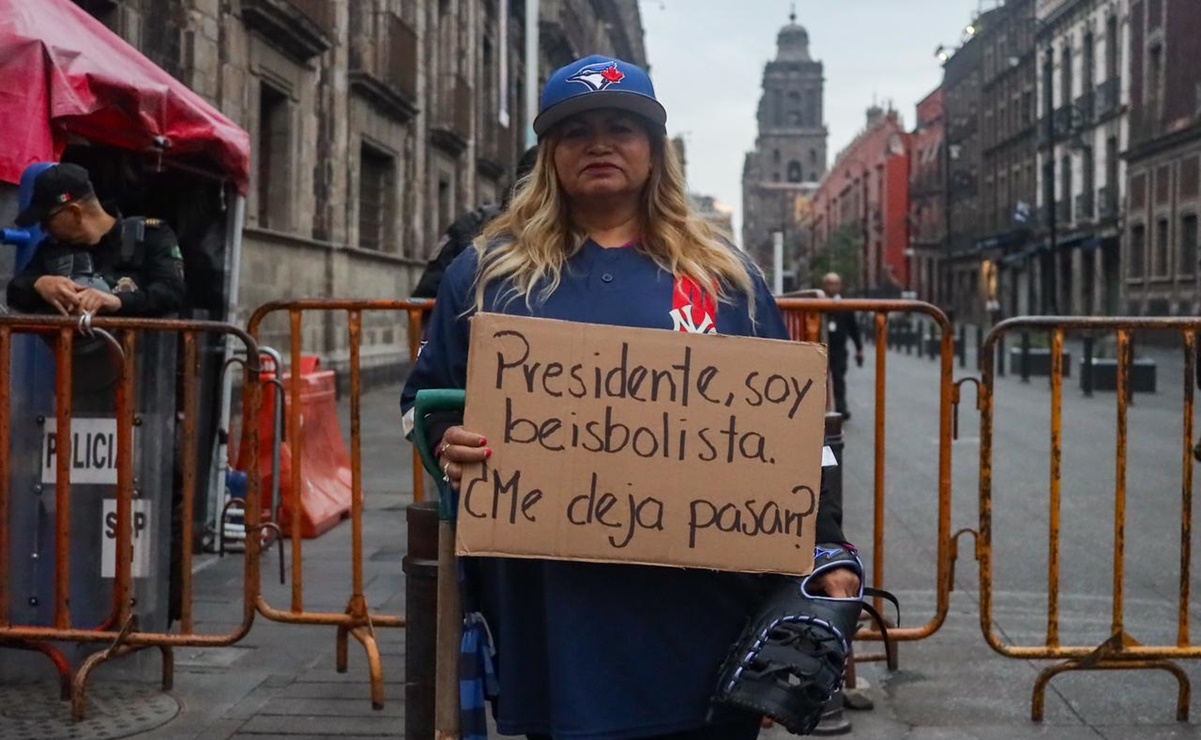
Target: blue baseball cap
[{"x": 598, "y": 82}]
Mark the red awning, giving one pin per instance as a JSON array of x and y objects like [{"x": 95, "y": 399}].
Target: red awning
[{"x": 63, "y": 74}]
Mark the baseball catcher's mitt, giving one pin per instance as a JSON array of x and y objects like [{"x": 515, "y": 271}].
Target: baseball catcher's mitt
[{"x": 789, "y": 661}]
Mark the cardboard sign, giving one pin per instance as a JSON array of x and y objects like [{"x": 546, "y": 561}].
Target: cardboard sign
[
  {"x": 140, "y": 565},
  {"x": 93, "y": 451},
  {"x": 642, "y": 446}
]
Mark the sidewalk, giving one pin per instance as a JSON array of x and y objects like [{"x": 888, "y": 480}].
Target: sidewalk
[{"x": 280, "y": 681}]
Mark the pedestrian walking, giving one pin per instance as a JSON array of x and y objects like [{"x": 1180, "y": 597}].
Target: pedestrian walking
[
  {"x": 603, "y": 233},
  {"x": 841, "y": 326}
]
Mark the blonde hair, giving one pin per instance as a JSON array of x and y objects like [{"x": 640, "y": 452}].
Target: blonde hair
[{"x": 529, "y": 244}]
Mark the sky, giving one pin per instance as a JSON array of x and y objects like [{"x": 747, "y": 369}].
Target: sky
[{"x": 707, "y": 58}]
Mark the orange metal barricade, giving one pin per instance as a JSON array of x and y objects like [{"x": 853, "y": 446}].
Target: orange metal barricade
[
  {"x": 121, "y": 630},
  {"x": 1120, "y": 651},
  {"x": 357, "y": 621},
  {"x": 805, "y": 318}
]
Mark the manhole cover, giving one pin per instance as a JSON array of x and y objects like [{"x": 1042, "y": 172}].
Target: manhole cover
[{"x": 34, "y": 712}]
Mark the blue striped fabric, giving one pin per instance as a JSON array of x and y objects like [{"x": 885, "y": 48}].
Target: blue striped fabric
[{"x": 477, "y": 677}]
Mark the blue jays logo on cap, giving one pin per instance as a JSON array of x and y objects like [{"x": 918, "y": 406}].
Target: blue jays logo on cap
[
  {"x": 598, "y": 77},
  {"x": 597, "y": 82}
]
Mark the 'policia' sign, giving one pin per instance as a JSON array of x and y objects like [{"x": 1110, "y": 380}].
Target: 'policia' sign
[{"x": 93, "y": 451}]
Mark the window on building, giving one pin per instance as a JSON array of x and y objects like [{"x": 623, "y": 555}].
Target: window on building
[
  {"x": 1065, "y": 77},
  {"x": 1154, "y": 86},
  {"x": 775, "y": 156},
  {"x": 1111, "y": 164},
  {"x": 1161, "y": 265},
  {"x": 274, "y": 158},
  {"x": 1088, "y": 181},
  {"x": 794, "y": 171},
  {"x": 445, "y": 205},
  {"x": 1087, "y": 74},
  {"x": 377, "y": 197},
  {"x": 813, "y": 156},
  {"x": 1138, "y": 251},
  {"x": 1187, "y": 262},
  {"x": 1112, "y": 44},
  {"x": 1065, "y": 187}
]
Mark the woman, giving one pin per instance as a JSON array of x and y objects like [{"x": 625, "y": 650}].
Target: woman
[{"x": 601, "y": 232}]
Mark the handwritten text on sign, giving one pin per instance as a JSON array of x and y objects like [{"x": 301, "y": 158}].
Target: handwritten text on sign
[{"x": 644, "y": 446}]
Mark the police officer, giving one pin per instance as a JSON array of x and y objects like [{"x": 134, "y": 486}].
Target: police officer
[
  {"x": 842, "y": 326},
  {"x": 94, "y": 262}
]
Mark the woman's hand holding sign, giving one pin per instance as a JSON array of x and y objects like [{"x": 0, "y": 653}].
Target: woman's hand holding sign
[{"x": 460, "y": 447}]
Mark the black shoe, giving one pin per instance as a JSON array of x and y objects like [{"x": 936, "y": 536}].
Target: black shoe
[{"x": 846, "y": 415}]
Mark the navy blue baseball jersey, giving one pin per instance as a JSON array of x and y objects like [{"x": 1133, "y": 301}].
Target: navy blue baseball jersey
[{"x": 592, "y": 651}]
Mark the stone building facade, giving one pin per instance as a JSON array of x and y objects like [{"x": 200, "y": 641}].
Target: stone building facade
[
  {"x": 1083, "y": 58},
  {"x": 374, "y": 124},
  {"x": 1008, "y": 258},
  {"x": 789, "y": 157},
  {"x": 927, "y": 196},
  {"x": 863, "y": 204},
  {"x": 1164, "y": 159},
  {"x": 961, "y": 84}
]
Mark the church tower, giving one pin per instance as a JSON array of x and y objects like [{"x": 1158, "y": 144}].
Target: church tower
[{"x": 789, "y": 158}]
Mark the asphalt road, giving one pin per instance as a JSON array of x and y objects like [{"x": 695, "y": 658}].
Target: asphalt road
[{"x": 952, "y": 685}]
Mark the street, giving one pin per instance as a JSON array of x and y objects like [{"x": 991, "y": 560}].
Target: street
[{"x": 953, "y": 685}]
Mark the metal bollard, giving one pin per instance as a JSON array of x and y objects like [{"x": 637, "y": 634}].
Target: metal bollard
[
  {"x": 979, "y": 344},
  {"x": 932, "y": 343},
  {"x": 961, "y": 345},
  {"x": 420, "y": 567},
  {"x": 1086, "y": 372},
  {"x": 921, "y": 339},
  {"x": 1001, "y": 356},
  {"x": 1025, "y": 357}
]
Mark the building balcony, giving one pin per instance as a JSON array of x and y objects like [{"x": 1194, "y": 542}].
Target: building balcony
[
  {"x": 1084, "y": 111},
  {"x": 450, "y": 125},
  {"x": 1063, "y": 121},
  {"x": 1107, "y": 96},
  {"x": 1084, "y": 206},
  {"x": 1063, "y": 211},
  {"x": 383, "y": 67},
  {"x": 302, "y": 29},
  {"x": 1107, "y": 203}
]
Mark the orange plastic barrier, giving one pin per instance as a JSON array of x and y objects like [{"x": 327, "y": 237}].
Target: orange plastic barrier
[{"x": 325, "y": 489}]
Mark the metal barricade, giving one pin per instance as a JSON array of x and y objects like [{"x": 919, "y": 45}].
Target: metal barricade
[
  {"x": 1120, "y": 651},
  {"x": 122, "y": 630},
  {"x": 805, "y": 318},
  {"x": 357, "y": 620}
]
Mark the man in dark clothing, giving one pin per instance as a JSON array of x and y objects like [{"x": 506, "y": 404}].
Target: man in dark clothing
[
  {"x": 840, "y": 327},
  {"x": 94, "y": 262},
  {"x": 465, "y": 229}
]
